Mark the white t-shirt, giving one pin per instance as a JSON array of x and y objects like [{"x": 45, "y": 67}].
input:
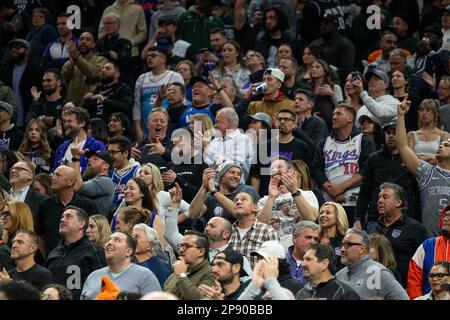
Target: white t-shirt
[
  {"x": 284, "y": 212},
  {"x": 68, "y": 155}
]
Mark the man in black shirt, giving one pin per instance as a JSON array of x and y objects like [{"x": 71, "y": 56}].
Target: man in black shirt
[
  {"x": 24, "y": 247},
  {"x": 404, "y": 234},
  {"x": 319, "y": 265},
  {"x": 110, "y": 96},
  {"x": 51, "y": 209},
  {"x": 48, "y": 107},
  {"x": 10, "y": 136}
]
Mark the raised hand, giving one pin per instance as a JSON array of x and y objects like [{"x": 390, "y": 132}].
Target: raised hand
[
  {"x": 35, "y": 93},
  {"x": 271, "y": 268},
  {"x": 273, "y": 186},
  {"x": 289, "y": 181},
  {"x": 403, "y": 107},
  {"x": 176, "y": 194}
]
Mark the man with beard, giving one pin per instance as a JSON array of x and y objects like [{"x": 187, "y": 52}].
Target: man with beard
[
  {"x": 284, "y": 144},
  {"x": 110, "y": 96},
  {"x": 75, "y": 122},
  {"x": 337, "y": 50},
  {"x": 267, "y": 42},
  {"x": 57, "y": 53},
  {"x": 404, "y": 233},
  {"x": 125, "y": 275},
  {"x": 319, "y": 265},
  {"x": 228, "y": 267},
  {"x": 47, "y": 107},
  {"x": 434, "y": 181},
  {"x": 435, "y": 249},
  {"x": 97, "y": 185},
  {"x": 82, "y": 72},
  {"x": 20, "y": 76}
]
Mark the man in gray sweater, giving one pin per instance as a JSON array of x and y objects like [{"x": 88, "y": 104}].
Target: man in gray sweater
[
  {"x": 126, "y": 275},
  {"x": 370, "y": 279}
]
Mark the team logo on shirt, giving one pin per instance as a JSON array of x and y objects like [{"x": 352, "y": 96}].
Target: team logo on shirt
[{"x": 396, "y": 233}]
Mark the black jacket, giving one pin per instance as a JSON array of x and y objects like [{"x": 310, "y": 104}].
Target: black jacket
[
  {"x": 314, "y": 128},
  {"x": 383, "y": 166},
  {"x": 71, "y": 264},
  {"x": 11, "y": 139},
  {"x": 42, "y": 107},
  {"x": 33, "y": 199},
  {"x": 119, "y": 98},
  {"x": 331, "y": 290}
]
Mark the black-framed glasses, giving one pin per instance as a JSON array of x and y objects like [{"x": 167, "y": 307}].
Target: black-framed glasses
[
  {"x": 348, "y": 244},
  {"x": 438, "y": 275},
  {"x": 114, "y": 151},
  {"x": 20, "y": 169},
  {"x": 186, "y": 246},
  {"x": 5, "y": 214},
  {"x": 281, "y": 119}
]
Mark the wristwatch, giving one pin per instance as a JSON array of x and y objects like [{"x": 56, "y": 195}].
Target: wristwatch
[
  {"x": 182, "y": 275},
  {"x": 296, "y": 193},
  {"x": 213, "y": 192},
  {"x": 75, "y": 159}
]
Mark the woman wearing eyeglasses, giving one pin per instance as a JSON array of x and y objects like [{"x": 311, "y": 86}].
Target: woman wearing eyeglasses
[
  {"x": 16, "y": 215},
  {"x": 438, "y": 275}
]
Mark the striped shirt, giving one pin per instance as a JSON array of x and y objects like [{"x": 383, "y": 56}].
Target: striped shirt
[{"x": 257, "y": 234}]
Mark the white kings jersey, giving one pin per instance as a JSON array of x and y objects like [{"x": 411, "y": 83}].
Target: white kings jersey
[{"x": 341, "y": 162}]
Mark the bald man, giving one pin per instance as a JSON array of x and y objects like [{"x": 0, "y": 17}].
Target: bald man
[{"x": 51, "y": 209}]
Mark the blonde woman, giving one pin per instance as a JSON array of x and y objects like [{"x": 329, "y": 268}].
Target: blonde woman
[
  {"x": 427, "y": 139},
  {"x": 98, "y": 230},
  {"x": 381, "y": 251},
  {"x": 16, "y": 215},
  {"x": 333, "y": 224}
]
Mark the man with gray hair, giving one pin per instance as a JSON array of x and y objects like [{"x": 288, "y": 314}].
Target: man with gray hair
[
  {"x": 367, "y": 277},
  {"x": 147, "y": 240},
  {"x": 404, "y": 233},
  {"x": 305, "y": 233},
  {"x": 231, "y": 145}
]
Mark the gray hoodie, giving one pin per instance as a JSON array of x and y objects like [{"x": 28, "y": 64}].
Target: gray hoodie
[
  {"x": 371, "y": 279},
  {"x": 384, "y": 107},
  {"x": 174, "y": 10}
]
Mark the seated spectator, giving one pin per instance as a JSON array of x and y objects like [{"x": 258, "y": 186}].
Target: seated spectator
[
  {"x": 55, "y": 291},
  {"x": 98, "y": 230},
  {"x": 47, "y": 104},
  {"x": 211, "y": 54},
  {"x": 97, "y": 130},
  {"x": 379, "y": 59},
  {"x": 327, "y": 94},
  {"x": 444, "y": 97},
  {"x": 289, "y": 67},
  {"x": 126, "y": 275},
  {"x": 36, "y": 148},
  {"x": 175, "y": 95},
  {"x": 82, "y": 71},
  {"x": 16, "y": 216},
  {"x": 84, "y": 255},
  {"x": 5, "y": 252},
  {"x": 12, "y": 135},
  {"x": 381, "y": 251},
  {"x": 42, "y": 183},
  {"x": 285, "y": 203},
  {"x": 56, "y": 53},
  {"x": 355, "y": 256},
  {"x": 41, "y": 35},
  {"x": 427, "y": 139},
  {"x": 319, "y": 265},
  {"x": 119, "y": 125},
  {"x": 18, "y": 290},
  {"x": 370, "y": 126},
  {"x": 430, "y": 251},
  {"x": 192, "y": 270},
  {"x": 438, "y": 272},
  {"x": 309, "y": 56},
  {"x": 400, "y": 26},
  {"x": 147, "y": 245},
  {"x": 304, "y": 234},
  {"x": 255, "y": 63},
  {"x": 110, "y": 96},
  {"x": 187, "y": 70},
  {"x": 75, "y": 124},
  {"x": 24, "y": 247}
]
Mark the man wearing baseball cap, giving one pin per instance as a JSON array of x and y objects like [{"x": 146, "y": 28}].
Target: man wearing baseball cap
[
  {"x": 97, "y": 185},
  {"x": 377, "y": 101},
  {"x": 11, "y": 136},
  {"x": 273, "y": 98}
]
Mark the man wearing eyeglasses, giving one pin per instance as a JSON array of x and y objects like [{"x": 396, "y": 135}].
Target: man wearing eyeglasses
[
  {"x": 192, "y": 268},
  {"x": 367, "y": 277},
  {"x": 21, "y": 177},
  {"x": 430, "y": 251}
]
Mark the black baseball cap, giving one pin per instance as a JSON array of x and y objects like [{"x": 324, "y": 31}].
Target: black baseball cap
[
  {"x": 104, "y": 155},
  {"x": 390, "y": 125},
  {"x": 167, "y": 20},
  {"x": 199, "y": 79},
  {"x": 233, "y": 257}
]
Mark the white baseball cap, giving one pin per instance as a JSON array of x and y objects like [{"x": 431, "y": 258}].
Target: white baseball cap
[
  {"x": 270, "y": 249},
  {"x": 274, "y": 72}
]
